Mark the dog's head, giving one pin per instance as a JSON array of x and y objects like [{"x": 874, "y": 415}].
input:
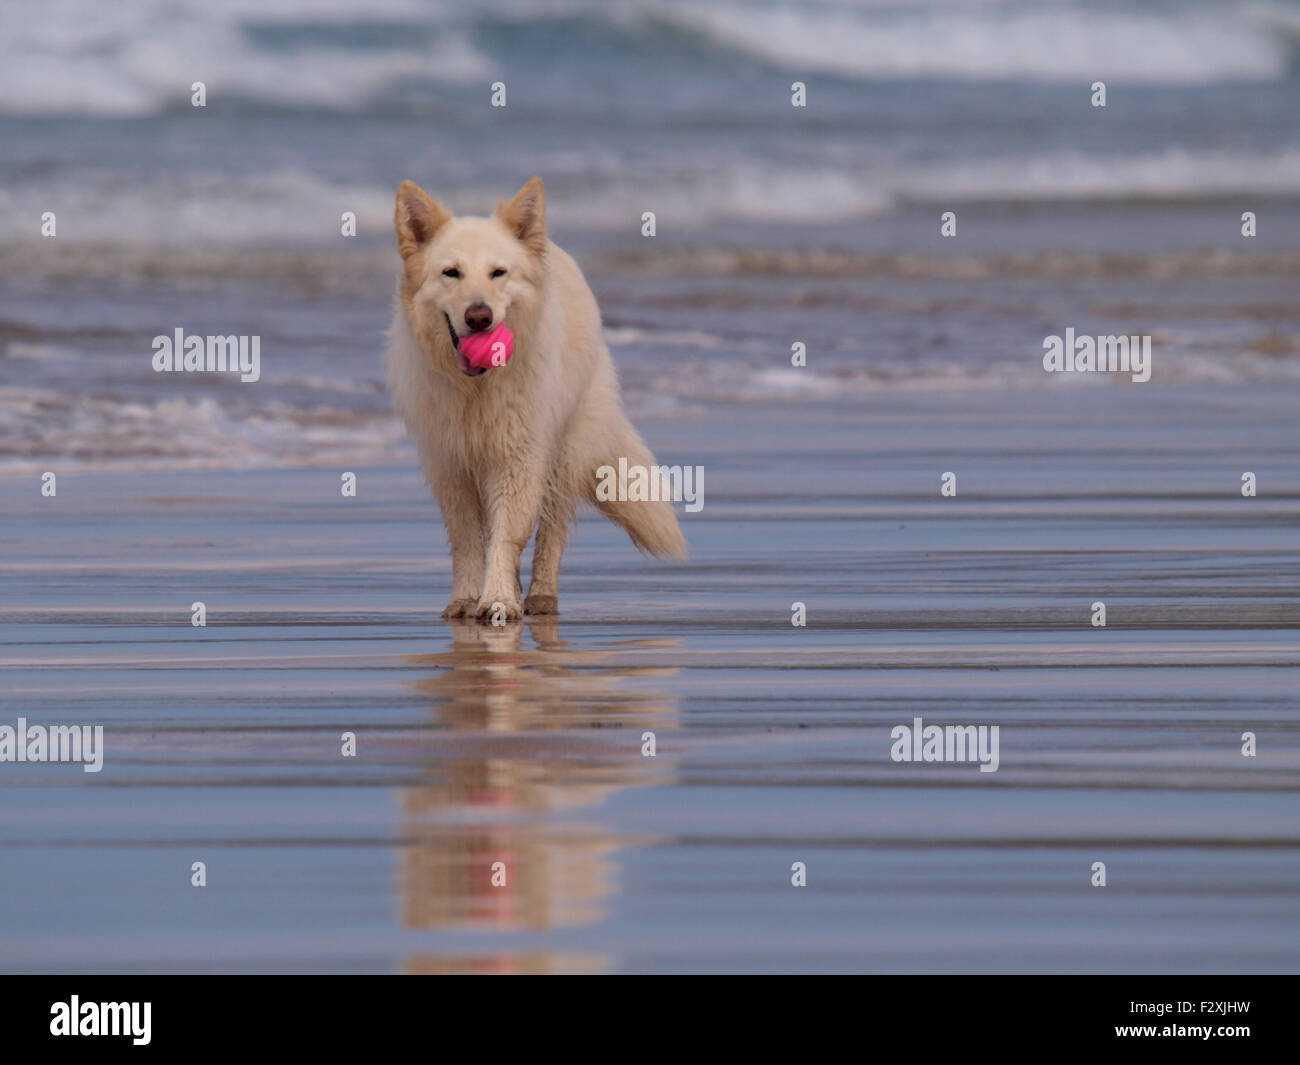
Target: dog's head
[{"x": 466, "y": 275}]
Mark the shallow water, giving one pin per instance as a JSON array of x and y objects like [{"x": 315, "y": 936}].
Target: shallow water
[
  {"x": 523, "y": 745},
  {"x": 695, "y": 329}
]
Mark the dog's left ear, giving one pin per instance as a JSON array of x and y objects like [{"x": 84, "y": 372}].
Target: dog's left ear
[{"x": 525, "y": 215}]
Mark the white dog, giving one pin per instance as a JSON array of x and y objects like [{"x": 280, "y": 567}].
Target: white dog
[{"x": 516, "y": 447}]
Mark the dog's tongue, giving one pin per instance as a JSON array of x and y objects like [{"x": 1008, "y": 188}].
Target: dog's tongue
[
  {"x": 463, "y": 365},
  {"x": 483, "y": 351}
]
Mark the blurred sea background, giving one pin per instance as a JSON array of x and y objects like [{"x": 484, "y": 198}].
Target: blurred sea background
[{"x": 774, "y": 223}]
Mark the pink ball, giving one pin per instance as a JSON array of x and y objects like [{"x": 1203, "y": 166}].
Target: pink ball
[{"x": 488, "y": 349}]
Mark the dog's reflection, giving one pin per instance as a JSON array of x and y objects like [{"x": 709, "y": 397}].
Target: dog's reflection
[{"x": 535, "y": 730}]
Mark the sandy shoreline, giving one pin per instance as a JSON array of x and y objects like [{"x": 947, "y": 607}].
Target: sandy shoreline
[{"x": 1119, "y": 745}]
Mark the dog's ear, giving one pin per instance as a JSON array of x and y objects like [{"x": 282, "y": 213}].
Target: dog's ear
[
  {"x": 525, "y": 215},
  {"x": 417, "y": 218}
]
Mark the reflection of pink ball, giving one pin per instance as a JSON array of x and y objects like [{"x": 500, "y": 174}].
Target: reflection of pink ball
[{"x": 491, "y": 348}]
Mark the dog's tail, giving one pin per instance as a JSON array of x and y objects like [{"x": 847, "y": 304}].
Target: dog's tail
[{"x": 650, "y": 523}]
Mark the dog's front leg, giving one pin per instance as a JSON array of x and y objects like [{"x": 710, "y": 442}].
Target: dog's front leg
[
  {"x": 513, "y": 500},
  {"x": 462, "y": 514}
]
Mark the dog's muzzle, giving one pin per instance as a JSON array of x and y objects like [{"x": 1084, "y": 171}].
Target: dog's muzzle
[{"x": 462, "y": 363}]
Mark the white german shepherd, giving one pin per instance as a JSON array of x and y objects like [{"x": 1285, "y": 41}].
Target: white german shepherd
[{"x": 513, "y": 448}]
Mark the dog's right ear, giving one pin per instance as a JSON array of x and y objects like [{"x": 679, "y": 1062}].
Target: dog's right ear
[{"x": 417, "y": 218}]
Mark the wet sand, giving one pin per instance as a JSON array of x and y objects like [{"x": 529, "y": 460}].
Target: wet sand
[{"x": 523, "y": 745}]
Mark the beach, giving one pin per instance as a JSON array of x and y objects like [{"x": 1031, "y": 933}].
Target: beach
[{"x": 523, "y": 744}]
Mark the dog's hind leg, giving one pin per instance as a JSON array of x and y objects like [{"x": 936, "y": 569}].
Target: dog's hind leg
[{"x": 544, "y": 585}]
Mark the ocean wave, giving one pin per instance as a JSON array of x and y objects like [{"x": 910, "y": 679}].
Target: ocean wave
[
  {"x": 292, "y": 207},
  {"x": 1184, "y": 44},
  {"x": 334, "y": 270},
  {"x": 43, "y": 428},
  {"x": 1168, "y": 174},
  {"x": 208, "y": 209},
  {"x": 40, "y": 428},
  {"x": 139, "y": 57},
  {"x": 1043, "y": 265},
  {"x": 696, "y": 388}
]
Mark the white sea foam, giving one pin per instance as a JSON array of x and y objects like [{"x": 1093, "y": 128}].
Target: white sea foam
[
  {"x": 1052, "y": 42},
  {"x": 138, "y": 57},
  {"x": 38, "y": 426},
  {"x": 296, "y": 206}
]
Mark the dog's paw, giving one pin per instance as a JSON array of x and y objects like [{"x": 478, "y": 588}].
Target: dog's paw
[
  {"x": 542, "y": 604},
  {"x": 497, "y": 611},
  {"x": 460, "y": 608}
]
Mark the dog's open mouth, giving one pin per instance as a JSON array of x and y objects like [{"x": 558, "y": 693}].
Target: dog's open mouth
[{"x": 462, "y": 363}]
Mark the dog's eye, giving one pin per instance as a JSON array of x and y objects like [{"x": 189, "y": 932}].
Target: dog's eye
[
  {"x": 451, "y": 271},
  {"x": 498, "y": 272}
]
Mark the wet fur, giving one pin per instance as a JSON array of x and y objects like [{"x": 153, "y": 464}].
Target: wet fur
[{"x": 514, "y": 451}]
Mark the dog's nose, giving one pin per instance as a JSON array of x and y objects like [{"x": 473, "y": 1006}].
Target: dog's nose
[{"x": 478, "y": 316}]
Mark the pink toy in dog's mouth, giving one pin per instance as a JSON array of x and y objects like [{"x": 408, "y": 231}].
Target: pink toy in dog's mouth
[{"x": 476, "y": 353}]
